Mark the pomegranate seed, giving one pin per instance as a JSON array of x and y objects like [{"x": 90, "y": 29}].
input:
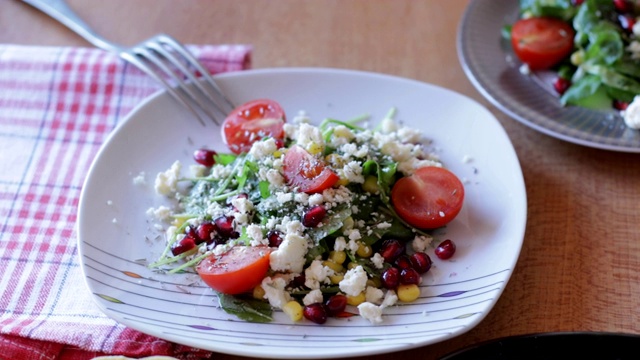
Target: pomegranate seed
[
  {"x": 313, "y": 216},
  {"x": 446, "y": 249},
  {"x": 626, "y": 22},
  {"x": 561, "y": 85},
  {"x": 336, "y": 304},
  {"x": 316, "y": 313},
  {"x": 297, "y": 282},
  {"x": 279, "y": 143},
  {"x": 205, "y": 232},
  {"x": 403, "y": 262},
  {"x": 224, "y": 225},
  {"x": 239, "y": 196},
  {"x": 204, "y": 157},
  {"x": 620, "y": 105},
  {"x": 622, "y": 6},
  {"x": 577, "y": 2},
  {"x": 391, "y": 249},
  {"x": 390, "y": 278},
  {"x": 275, "y": 238},
  {"x": 187, "y": 243},
  {"x": 409, "y": 276},
  {"x": 421, "y": 262}
]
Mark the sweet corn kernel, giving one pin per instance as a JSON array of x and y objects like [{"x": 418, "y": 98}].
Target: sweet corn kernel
[
  {"x": 352, "y": 265},
  {"x": 364, "y": 250},
  {"x": 370, "y": 184},
  {"x": 408, "y": 293},
  {"x": 342, "y": 182},
  {"x": 375, "y": 282},
  {"x": 333, "y": 266},
  {"x": 356, "y": 300},
  {"x": 293, "y": 309},
  {"x": 335, "y": 279},
  {"x": 315, "y": 148},
  {"x": 277, "y": 154},
  {"x": 337, "y": 257},
  {"x": 258, "y": 293}
]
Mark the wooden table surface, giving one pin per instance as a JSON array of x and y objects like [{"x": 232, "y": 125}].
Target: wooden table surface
[{"x": 579, "y": 269}]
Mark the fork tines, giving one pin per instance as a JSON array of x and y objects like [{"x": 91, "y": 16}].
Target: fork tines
[{"x": 169, "y": 62}]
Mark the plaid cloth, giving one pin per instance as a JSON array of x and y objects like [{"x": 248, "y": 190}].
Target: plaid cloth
[{"x": 57, "y": 106}]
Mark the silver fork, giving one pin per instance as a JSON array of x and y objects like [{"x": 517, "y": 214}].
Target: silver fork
[{"x": 161, "y": 57}]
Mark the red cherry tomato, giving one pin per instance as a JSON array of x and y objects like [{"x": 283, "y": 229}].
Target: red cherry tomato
[
  {"x": 306, "y": 171},
  {"x": 236, "y": 271},
  {"x": 428, "y": 199},
  {"x": 542, "y": 42},
  {"x": 251, "y": 122}
]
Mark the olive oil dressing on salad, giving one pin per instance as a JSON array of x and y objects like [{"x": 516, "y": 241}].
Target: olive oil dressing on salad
[{"x": 319, "y": 222}]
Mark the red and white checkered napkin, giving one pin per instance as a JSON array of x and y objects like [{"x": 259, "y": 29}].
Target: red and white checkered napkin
[{"x": 57, "y": 107}]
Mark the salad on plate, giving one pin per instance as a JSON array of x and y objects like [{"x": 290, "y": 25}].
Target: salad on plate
[
  {"x": 316, "y": 221},
  {"x": 590, "y": 50}
]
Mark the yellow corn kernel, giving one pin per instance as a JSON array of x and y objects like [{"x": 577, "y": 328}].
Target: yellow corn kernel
[
  {"x": 335, "y": 160},
  {"x": 577, "y": 57},
  {"x": 337, "y": 257},
  {"x": 335, "y": 279},
  {"x": 315, "y": 148},
  {"x": 364, "y": 250},
  {"x": 277, "y": 154},
  {"x": 352, "y": 265},
  {"x": 333, "y": 266},
  {"x": 258, "y": 293},
  {"x": 342, "y": 182},
  {"x": 293, "y": 309},
  {"x": 375, "y": 282},
  {"x": 348, "y": 223},
  {"x": 356, "y": 300},
  {"x": 370, "y": 184},
  {"x": 408, "y": 293}
]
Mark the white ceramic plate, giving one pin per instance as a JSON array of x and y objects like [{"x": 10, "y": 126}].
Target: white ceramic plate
[
  {"x": 115, "y": 233},
  {"x": 492, "y": 67}
]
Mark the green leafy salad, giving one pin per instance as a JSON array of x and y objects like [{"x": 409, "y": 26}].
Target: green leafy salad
[{"x": 320, "y": 222}]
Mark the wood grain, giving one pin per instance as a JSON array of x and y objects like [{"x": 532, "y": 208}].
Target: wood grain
[{"x": 580, "y": 262}]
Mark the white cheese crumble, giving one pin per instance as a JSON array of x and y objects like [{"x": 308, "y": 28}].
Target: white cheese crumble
[
  {"x": 354, "y": 282},
  {"x": 167, "y": 181},
  {"x": 631, "y": 115},
  {"x": 290, "y": 254}
]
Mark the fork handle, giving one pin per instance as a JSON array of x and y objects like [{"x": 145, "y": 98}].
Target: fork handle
[{"x": 60, "y": 11}]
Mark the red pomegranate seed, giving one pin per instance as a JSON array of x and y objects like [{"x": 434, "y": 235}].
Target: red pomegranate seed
[
  {"x": 620, "y": 105},
  {"x": 316, "y": 313},
  {"x": 409, "y": 276},
  {"x": 313, "y": 216},
  {"x": 390, "y": 278},
  {"x": 336, "y": 304},
  {"x": 561, "y": 85},
  {"x": 622, "y": 6},
  {"x": 403, "y": 262},
  {"x": 187, "y": 243},
  {"x": 275, "y": 238},
  {"x": 421, "y": 262},
  {"x": 279, "y": 143},
  {"x": 205, "y": 232},
  {"x": 577, "y": 2},
  {"x": 446, "y": 249},
  {"x": 626, "y": 22},
  {"x": 391, "y": 249},
  {"x": 204, "y": 157},
  {"x": 297, "y": 282},
  {"x": 224, "y": 226}
]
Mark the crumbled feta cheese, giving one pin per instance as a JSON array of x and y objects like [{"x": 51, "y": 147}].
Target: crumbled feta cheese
[
  {"x": 242, "y": 205},
  {"x": 377, "y": 260},
  {"x": 371, "y": 312},
  {"x": 167, "y": 182},
  {"x": 313, "y": 297},
  {"x": 315, "y": 274},
  {"x": 634, "y": 49},
  {"x": 301, "y": 118},
  {"x": 340, "y": 244},
  {"x": 255, "y": 233},
  {"x": 316, "y": 199},
  {"x": 390, "y": 299},
  {"x": 274, "y": 291},
  {"x": 308, "y": 136},
  {"x": 409, "y": 135},
  {"x": 161, "y": 213},
  {"x": 353, "y": 172},
  {"x": 388, "y": 125},
  {"x": 198, "y": 170},
  {"x": 374, "y": 295},
  {"x": 290, "y": 255},
  {"x": 140, "y": 179},
  {"x": 631, "y": 115},
  {"x": 354, "y": 281},
  {"x": 421, "y": 242},
  {"x": 261, "y": 149}
]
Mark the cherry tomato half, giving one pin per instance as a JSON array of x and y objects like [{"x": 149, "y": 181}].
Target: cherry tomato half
[
  {"x": 542, "y": 42},
  {"x": 428, "y": 199},
  {"x": 236, "y": 271},
  {"x": 251, "y": 122},
  {"x": 307, "y": 172}
]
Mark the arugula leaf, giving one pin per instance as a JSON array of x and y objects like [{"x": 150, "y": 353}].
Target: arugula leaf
[
  {"x": 224, "y": 159},
  {"x": 246, "y": 309}
]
